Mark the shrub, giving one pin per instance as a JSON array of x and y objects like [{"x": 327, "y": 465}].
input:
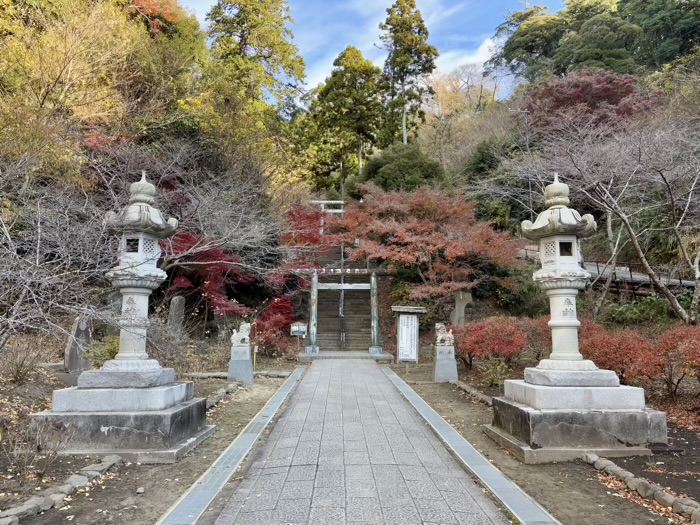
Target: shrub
[
  {"x": 172, "y": 349},
  {"x": 402, "y": 167},
  {"x": 29, "y": 446},
  {"x": 679, "y": 350},
  {"x": 495, "y": 371},
  {"x": 19, "y": 363},
  {"x": 493, "y": 337},
  {"x": 538, "y": 335},
  {"x": 102, "y": 351},
  {"x": 652, "y": 309},
  {"x": 625, "y": 351}
]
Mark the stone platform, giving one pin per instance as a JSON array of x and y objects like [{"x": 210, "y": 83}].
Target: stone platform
[
  {"x": 537, "y": 435},
  {"x": 325, "y": 354},
  {"x": 150, "y": 425},
  {"x": 570, "y": 398},
  {"x": 123, "y": 399},
  {"x": 146, "y": 429}
]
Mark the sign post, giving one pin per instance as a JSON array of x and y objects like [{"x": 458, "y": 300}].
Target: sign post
[
  {"x": 407, "y": 332},
  {"x": 298, "y": 330}
]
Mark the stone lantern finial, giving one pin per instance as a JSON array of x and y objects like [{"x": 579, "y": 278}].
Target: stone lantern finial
[
  {"x": 556, "y": 194},
  {"x": 142, "y": 192}
]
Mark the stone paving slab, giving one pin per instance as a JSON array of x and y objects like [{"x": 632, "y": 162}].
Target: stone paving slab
[
  {"x": 192, "y": 504},
  {"x": 522, "y": 506},
  {"x": 350, "y": 449}
]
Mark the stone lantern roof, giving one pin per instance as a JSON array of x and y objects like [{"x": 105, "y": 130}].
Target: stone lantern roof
[
  {"x": 140, "y": 216},
  {"x": 558, "y": 218}
]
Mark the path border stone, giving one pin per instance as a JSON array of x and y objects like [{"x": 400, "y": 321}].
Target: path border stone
[
  {"x": 686, "y": 507},
  {"x": 473, "y": 392},
  {"x": 195, "y": 501},
  {"x": 519, "y": 503},
  {"x": 55, "y": 495}
]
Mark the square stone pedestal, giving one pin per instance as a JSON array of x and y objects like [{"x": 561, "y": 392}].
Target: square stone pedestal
[
  {"x": 541, "y": 424},
  {"x": 149, "y": 425},
  {"x": 445, "y": 364},
  {"x": 240, "y": 367}
]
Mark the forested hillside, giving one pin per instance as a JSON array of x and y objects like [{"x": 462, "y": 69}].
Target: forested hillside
[{"x": 603, "y": 92}]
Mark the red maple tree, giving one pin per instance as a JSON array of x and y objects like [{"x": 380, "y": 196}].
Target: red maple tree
[
  {"x": 271, "y": 328},
  {"x": 429, "y": 231},
  {"x": 492, "y": 337},
  {"x": 208, "y": 270},
  {"x": 592, "y": 96}
]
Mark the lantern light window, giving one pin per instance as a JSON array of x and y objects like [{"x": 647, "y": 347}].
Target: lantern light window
[{"x": 132, "y": 245}]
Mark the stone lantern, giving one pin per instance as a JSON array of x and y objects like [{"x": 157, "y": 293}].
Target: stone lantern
[
  {"x": 567, "y": 406},
  {"x": 140, "y": 227},
  {"x": 559, "y": 230},
  {"x": 132, "y": 406}
]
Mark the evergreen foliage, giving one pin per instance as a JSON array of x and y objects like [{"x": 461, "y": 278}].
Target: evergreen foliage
[
  {"x": 619, "y": 36},
  {"x": 402, "y": 167},
  {"x": 410, "y": 60}
]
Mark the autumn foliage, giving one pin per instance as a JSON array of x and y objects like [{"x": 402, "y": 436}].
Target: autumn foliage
[
  {"x": 157, "y": 13},
  {"x": 679, "y": 348},
  {"x": 591, "y": 96},
  {"x": 627, "y": 352},
  {"x": 210, "y": 274},
  {"x": 492, "y": 337},
  {"x": 429, "y": 231},
  {"x": 271, "y": 328}
]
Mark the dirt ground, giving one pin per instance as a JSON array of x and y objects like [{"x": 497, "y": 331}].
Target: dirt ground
[
  {"x": 680, "y": 471},
  {"x": 116, "y": 499},
  {"x": 570, "y": 491}
]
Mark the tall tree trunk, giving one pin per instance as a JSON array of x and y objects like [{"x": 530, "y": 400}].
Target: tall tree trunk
[
  {"x": 675, "y": 305},
  {"x": 612, "y": 245},
  {"x": 403, "y": 126},
  {"x": 359, "y": 157},
  {"x": 404, "y": 114}
]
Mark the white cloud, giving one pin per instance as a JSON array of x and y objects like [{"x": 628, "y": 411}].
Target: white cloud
[
  {"x": 451, "y": 60},
  {"x": 436, "y": 13}
]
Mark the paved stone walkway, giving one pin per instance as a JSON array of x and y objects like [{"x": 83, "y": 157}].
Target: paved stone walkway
[{"x": 349, "y": 449}]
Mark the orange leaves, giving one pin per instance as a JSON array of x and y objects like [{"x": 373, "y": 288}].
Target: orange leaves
[
  {"x": 428, "y": 230},
  {"x": 683, "y": 341},
  {"x": 625, "y": 351},
  {"x": 157, "y": 13},
  {"x": 493, "y": 337},
  {"x": 165, "y": 9}
]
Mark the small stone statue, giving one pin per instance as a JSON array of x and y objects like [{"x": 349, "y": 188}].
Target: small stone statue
[
  {"x": 240, "y": 367},
  {"x": 444, "y": 337},
  {"x": 241, "y": 336}
]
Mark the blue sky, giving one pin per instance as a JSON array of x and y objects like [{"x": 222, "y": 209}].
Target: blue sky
[{"x": 460, "y": 29}]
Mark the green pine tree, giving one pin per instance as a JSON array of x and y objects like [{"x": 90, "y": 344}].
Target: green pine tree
[{"x": 410, "y": 59}]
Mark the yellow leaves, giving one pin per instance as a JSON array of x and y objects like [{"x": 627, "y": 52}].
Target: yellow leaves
[{"x": 71, "y": 61}]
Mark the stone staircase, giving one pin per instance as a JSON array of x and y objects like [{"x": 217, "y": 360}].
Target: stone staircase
[
  {"x": 358, "y": 320},
  {"x": 328, "y": 333},
  {"x": 357, "y": 309}
]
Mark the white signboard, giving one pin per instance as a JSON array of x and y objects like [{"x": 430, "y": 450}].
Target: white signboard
[
  {"x": 408, "y": 338},
  {"x": 298, "y": 329}
]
